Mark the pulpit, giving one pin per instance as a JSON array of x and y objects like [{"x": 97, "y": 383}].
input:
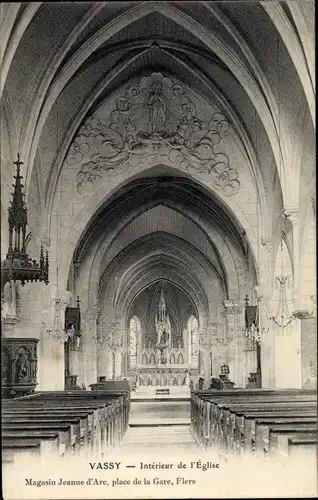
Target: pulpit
[{"x": 19, "y": 366}]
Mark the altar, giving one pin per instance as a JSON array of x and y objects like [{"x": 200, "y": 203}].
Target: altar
[
  {"x": 169, "y": 375},
  {"x": 163, "y": 362}
]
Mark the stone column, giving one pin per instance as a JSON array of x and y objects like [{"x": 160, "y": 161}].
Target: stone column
[
  {"x": 267, "y": 342},
  {"x": 263, "y": 294},
  {"x": 204, "y": 357},
  {"x": 308, "y": 348},
  {"x": 291, "y": 213},
  {"x": 118, "y": 366},
  {"x": 288, "y": 356},
  {"x": 83, "y": 362},
  {"x": 234, "y": 355},
  {"x": 103, "y": 355},
  {"x": 53, "y": 338}
]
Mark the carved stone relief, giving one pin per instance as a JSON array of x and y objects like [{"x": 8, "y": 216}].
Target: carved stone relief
[{"x": 154, "y": 121}]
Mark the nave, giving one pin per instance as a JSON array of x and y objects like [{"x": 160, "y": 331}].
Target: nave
[{"x": 160, "y": 230}]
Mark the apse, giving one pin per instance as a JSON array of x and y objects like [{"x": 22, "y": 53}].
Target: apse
[
  {"x": 179, "y": 306},
  {"x": 162, "y": 338}
]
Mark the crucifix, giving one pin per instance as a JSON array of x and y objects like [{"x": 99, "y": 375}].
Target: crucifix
[{"x": 18, "y": 163}]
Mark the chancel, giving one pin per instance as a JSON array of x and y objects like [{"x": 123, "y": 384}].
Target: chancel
[
  {"x": 158, "y": 243},
  {"x": 160, "y": 357}
]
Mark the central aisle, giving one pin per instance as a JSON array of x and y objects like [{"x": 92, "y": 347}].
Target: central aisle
[
  {"x": 159, "y": 411},
  {"x": 167, "y": 439},
  {"x": 159, "y": 426}
]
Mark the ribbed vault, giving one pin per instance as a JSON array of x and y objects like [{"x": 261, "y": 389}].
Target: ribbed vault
[
  {"x": 179, "y": 193},
  {"x": 172, "y": 217},
  {"x": 88, "y": 50}
]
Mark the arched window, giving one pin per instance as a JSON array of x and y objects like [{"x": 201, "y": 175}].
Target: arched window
[
  {"x": 193, "y": 336},
  {"x": 134, "y": 338}
]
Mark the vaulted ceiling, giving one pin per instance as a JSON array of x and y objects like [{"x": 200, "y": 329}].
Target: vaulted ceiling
[{"x": 60, "y": 60}]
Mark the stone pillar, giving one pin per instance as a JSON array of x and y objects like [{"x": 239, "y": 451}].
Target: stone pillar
[
  {"x": 204, "y": 368},
  {"x": 103, "y": 355},
  {"x": 288, "y": 356},
  {"x": 53, "y": 338},
  {"x": 267, "y": 334},
  {"x": 308, "y": 348},
  {"x": 263, "y": 294},
  {"x": 89, "y": 348},
  {"x": 291, "y": 213},
  {"x": 118, "y": 365},
  {"x": 234, "y": 355}
]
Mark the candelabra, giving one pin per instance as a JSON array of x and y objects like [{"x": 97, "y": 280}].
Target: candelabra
[
  {"x": 282, "y": 318},
  {"x": 57, "y": 332},
  {"x": 115, "y": 344},
  {"x": 254, "y": 332},
  {"x": 219, "y": 338},
  {"x": 212, "y": 339}
]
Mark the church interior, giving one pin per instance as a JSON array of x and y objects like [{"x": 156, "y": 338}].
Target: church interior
[{"x": 158, "y": 213}]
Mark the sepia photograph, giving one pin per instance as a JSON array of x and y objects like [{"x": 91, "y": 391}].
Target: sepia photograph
[{"x": 158, "y": 250}]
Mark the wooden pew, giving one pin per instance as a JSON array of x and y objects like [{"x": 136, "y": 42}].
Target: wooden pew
[
  {"x": 238, "y": 395},
  {"x": 218, "y": 418},
  {"x": 29, "y": 448},
  {"x": 66, "y": 437},
  {"x": 303, "y": 445},
  {"x": 34, "y": 421},
  {"x": 273, "y": 438},
  {"x": 98, "y": 419},
  {"x": 246, "y": 424},
  {"x": 48, "y": 442},
  {"x": 231, "y": 418},
  {"x": 233, "y": 431},
  {"x": 86, "y": 429},
  {"x": 215, "y": 414}
]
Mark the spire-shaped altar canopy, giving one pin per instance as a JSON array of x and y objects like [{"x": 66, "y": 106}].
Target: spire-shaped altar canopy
[
  {"x": 162, "y": 322},
  {"x": 162, "y": 307}
]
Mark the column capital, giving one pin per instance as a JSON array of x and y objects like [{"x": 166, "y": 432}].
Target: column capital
[
  {"x": 44, "y": 235},
  {"x": 263, "y": 292},
  {"x": 91, "y": 314},
  {"x": 291, "y": 213},
  {"x": 232, "y": 306},
  {"x": 230, "y": 303},
  {"x": 302, "y": 314},
  {"x": 267, "y": 243},
  {"x": 46, "y": 241}
]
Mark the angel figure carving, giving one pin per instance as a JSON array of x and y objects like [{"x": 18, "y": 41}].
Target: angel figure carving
[
  {"x": 157, "y": 108},
  {"x": 154, "y": 119}
]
